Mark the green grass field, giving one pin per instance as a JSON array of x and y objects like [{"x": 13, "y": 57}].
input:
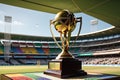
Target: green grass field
[
  {"x": 41, "y": 68},
  {"x": 102, "y": 69}
]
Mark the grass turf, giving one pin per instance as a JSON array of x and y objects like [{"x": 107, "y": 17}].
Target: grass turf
[
  {"x": 41, "y": 68},
  {"x": 22, "y": 69},
  {"x": 102, "y": 69}
]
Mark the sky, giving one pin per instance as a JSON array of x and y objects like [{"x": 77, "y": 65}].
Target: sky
[{"x": 37, "y": 23}]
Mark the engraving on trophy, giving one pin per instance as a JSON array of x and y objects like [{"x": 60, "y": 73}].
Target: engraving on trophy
[{"x": 54, "y": 65}]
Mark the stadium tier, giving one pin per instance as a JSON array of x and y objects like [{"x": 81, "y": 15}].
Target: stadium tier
[
  {"x": 1, "y": 49},
  {"x": 99, "y": 50},
  {"x": 43, "y": 48}
]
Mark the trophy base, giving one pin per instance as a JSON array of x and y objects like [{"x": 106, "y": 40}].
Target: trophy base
[{"x": 65, "y": 68}]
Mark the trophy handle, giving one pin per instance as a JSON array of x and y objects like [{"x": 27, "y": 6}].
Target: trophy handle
[
  {"x": 54, "y": 36},
  {"x": 79, "y": 19}
]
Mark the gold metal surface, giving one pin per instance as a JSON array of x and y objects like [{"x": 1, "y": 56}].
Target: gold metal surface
[
  {"x": 64, "y": 23},
  {"x": 64, "y": 54},
  {"x": 54, "y": 65}
]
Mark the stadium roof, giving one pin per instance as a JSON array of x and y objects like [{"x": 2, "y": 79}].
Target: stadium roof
[{"x": 106, "y": 10}]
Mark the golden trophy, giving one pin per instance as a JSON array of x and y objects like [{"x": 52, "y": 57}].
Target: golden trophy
[{"x": 65, "y": 65}]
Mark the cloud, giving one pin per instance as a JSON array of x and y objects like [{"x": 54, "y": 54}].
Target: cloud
[
  {"x": 1, "y": 22},
  {"x": 14, "y": 23},
  {"x": 2, "y": 12},
  {"x": 17, "y": 23}
]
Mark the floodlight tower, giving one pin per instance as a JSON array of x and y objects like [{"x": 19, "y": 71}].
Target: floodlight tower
[{"x": 7, "y": 37}]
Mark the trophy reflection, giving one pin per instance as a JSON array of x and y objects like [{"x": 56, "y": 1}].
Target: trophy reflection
[{"x": 65, "y": 65}]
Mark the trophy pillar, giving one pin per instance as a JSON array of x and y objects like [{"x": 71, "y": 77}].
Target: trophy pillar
[{"x": 65, "y": 68}]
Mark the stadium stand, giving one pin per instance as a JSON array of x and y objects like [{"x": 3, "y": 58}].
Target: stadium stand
[
  {"x": 14, "y": 62},
  {"x": 2, "y": 62},
  {"x": 46, "y": 50},
  {"x": 101, "y": 60},
  {"x": 38, "y": 44},
  {"x": 16, "y": 50},
  {"x": 1, "y": 48},
  {"x": 40, "y": 50},
  {"x": 104, "y": 50}
]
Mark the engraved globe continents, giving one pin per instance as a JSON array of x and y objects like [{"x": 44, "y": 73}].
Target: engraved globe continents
[{"x": 64, "y": 21}]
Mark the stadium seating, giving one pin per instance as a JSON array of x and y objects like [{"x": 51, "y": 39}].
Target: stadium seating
[
  {"x": 103, "y": 60},
  {"x": 14, "y": 62},
  {"x": 40, "y": 50},
  {"x": 32, "y": 50},
  {"x": 54, "y": 51},
  {"x": 2, "y": 62},
  {"x": 30, "y": 44},
  {"x": 84, "y": 50},
  {"x": 38, "y": 44},
  {"x": 1, "y": 49},
  {"x": 28, "y": 62},
  {"x": 46, "y": 50},
  {"x": 16, "y": 50}
]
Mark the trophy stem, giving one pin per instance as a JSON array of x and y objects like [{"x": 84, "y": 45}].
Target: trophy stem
[{"x": 65, "y": 53}]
